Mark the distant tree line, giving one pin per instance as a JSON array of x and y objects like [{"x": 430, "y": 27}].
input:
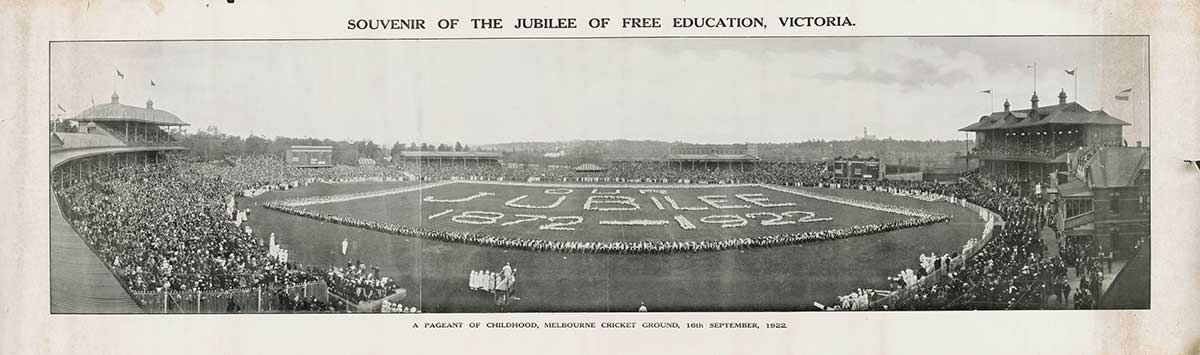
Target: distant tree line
[{"x": 212, "y": 144}]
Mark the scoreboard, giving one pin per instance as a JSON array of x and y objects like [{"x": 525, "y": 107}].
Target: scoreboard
[
  {"x": 857, "y": 168},
  {"x": 309, "y": 156}
]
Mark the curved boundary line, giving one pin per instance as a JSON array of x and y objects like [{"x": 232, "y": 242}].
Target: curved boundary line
[{"x": 920, "y": 218}]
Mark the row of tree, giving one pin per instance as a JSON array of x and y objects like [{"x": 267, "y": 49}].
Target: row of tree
[
  {"x": 212, "y": 144},
  {"x": 425, "y": 147}
]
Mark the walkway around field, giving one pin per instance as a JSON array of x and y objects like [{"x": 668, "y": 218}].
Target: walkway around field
[
  {"x": 1051, "y": 241},
  {"x": 79, "y": 281}
]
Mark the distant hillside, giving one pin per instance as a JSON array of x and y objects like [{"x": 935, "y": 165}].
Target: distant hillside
[{"x": 908, "y": 152}]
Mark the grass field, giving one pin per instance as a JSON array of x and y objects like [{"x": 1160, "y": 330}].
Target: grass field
[
  {"x": 780, "y": 278},
  {"x": 489, "y": 214}
]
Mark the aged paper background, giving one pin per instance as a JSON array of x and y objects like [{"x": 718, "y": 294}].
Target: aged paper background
[{"x": 1172, "y": 326}]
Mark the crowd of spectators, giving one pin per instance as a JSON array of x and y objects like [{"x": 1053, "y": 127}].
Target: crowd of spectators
[
  {"x": 1009, "y": 272},
  {"x": 356, "y": 282},
  {"x": 482, "y": 171},
  {"x": 1091, "y": 263},
  {"x": 782, "y": 173},
  {"x": 291, "y": 302},
  {"x": 1045, "y": 144},
  {"x": 144, "y": 135},
  {"x": 166, "y": 227},
  {"x": 174, "y": 227}
]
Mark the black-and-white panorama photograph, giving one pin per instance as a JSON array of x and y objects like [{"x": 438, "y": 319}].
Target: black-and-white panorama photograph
[{"x": 600, "y": 175}]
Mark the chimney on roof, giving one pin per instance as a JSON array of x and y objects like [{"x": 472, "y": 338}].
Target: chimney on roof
[
  {"x": 1033, "y": 101},
  {"x": 1006, "y": 105},
  {"x": 1062, "y": 97},
  {"x": 149, "y": 104},
  {"x": 116, "y": 98}
]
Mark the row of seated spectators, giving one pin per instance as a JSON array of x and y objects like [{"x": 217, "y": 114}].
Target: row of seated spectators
[
  {"x": 344, "y": 173},
  {"x": 1039, "y": 144},
  {"x": 146, "y": 135},
  {"x": 782, "y": 173},
  {"x": 485, "y": 171}
]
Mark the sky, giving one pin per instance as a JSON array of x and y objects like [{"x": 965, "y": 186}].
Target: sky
[{"x": 700, "y": 90}]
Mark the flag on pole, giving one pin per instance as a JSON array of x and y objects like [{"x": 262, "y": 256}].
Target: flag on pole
[
  {"x": 1071, "y": 72},
  {"x": 60, "y": 108},
  {"x": 152, "y": 83},
  {"x": 1124, "y": 94},
  {"x": 988, "y": 91},
  {"x": 120, "y": 74}
]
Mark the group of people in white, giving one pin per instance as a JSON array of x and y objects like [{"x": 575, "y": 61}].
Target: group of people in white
[
  {"x": 396, "y": 307},
  {"x": 859, "y": 300},
  {"x": 317, "y": 200},
  {"x": 491, "y": 282},
  {"x": 933, "y": 261},
  {"x": 258, "y": 191},
  {"x": 276, "y": 251},
  {"x": 643, "y": 246},
  {"x": 922, "y": 217},
  {"x": 907, "y": 211},
  {"x": 239, "y": 216}
]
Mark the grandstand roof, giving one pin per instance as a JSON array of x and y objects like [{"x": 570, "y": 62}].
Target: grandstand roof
[
  {"x": 713, "y": 157},
  {"x": 86, "y": 140},
  {"x": 856, "y": 158},
  {"x": 59, "y": 156},
  {"x": 1068, "y": 113},
  {"x": 115, "y": 111},
  {"x": 311, "y": 147},
  {"x": 451, "y": 155},
  {"x": 588, "y": 167}
]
